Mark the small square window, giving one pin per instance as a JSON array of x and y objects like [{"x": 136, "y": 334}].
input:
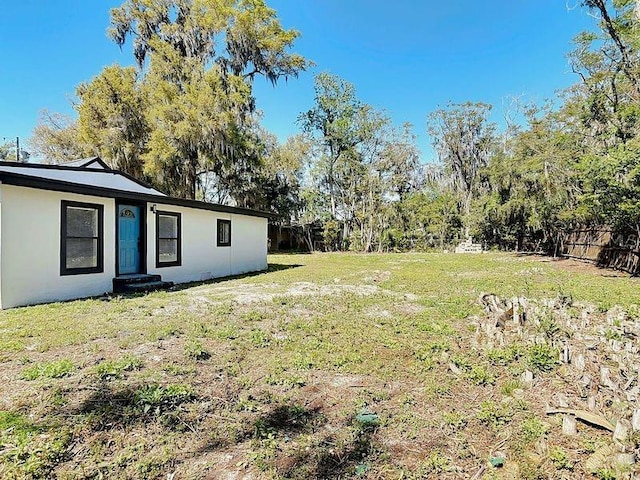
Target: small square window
[{"x": 224, "y": 233}]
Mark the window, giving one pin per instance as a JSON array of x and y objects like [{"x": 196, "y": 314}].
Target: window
[
  {"x": 81, "y": 238},
  {"x": 224, "y": 233},
  {"x": 168, "y": 242}
]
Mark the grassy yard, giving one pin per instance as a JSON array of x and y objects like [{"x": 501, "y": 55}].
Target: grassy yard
[{"x": 326, "y": 366}]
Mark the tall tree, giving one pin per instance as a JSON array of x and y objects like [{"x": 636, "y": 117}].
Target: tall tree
[
  {"x": 198, "y": 59},
  {"x": 608, "y": 63},
  {"x": 362, "y": 167},
  {"x": 55, "y": 139},
  {"x": 348, "y": 140},
  {"x": 401, "y": 168},
  {"x": 464, "y": 139},
  {"x": 111, "y": 118},
  {"x": 333, "y": 121},
  {"x": 534, "y": 186}
]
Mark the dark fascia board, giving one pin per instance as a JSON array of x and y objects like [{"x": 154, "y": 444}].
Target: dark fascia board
[
  {"x": 97, "y": 160},
  {"x": 28, "y": 181},
  {"x": 82, "y": 168},
  {"x": 85, "y": 162},
  {"x": 55, "y": 166}
]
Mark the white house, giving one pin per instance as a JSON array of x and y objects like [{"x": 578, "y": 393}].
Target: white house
[{"x": 82, "y": 229}]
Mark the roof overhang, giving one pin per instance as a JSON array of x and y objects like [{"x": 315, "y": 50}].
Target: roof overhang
[{"x": 10, "y": 178}]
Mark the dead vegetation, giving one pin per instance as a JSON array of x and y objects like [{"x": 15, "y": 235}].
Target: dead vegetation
[
  {"x": 351, "y": 366},
  {"x": 596, "y": 364}
]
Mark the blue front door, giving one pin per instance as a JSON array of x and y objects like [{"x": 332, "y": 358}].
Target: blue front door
[{"x": 128, "y": 239}]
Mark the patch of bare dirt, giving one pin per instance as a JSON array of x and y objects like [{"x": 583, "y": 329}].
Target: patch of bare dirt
[
  {"x": 253, "y": 293},
  {"x": 578, "y": 266}
]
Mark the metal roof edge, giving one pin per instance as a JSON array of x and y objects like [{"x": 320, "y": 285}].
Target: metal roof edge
[{"x": 30, "y": 181}]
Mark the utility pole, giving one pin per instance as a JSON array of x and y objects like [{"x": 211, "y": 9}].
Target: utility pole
[{"x": 18, "y": 149}]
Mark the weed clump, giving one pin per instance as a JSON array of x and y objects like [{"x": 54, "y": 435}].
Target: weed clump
[
  {"x": 560, "y": 459},
  {"x": 505, "y": 356},
  {"x": 156, "y": 398},
  {"x": 30, "y": 450},
  {"x": 59, "y": 369},
  {"x": 494, "y": 414},
  {"x": 479, "y": 375},
  {"x": 533, "y": 429},
  {"x": 113, "y": 369},
  {"x": 196, "y": 351},
  {"x": 542, "y": 358}
]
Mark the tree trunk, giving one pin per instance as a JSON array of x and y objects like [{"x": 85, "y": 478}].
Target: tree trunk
[
  {"x": 191, "y": 176},
  {"x": 307, "y": 237}
]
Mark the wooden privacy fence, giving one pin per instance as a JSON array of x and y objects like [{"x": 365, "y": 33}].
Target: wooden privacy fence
[{"x": 604, "y": 247}]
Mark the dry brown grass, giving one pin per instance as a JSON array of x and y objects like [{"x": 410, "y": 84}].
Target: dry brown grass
[{"x": 265, "y": 376}]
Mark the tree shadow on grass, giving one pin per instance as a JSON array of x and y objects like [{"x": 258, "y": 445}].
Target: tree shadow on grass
[
  {"x": 280, "y": 421},
  {"x": 342, "y": 464},
  {"x": 273, "y": 267},
  {"x": 329, "y": 459},
  {"x": 288, "y": 419},
  {"x": 109, "y": 407}
]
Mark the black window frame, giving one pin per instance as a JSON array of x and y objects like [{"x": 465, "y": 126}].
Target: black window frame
[
  {"x": 99, "y": 268},
  {"x": 178, "y": 261},
  {"x": 220, "y": 222}
]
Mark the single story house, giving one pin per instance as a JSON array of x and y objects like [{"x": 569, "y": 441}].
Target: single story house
[{"x": 82, "y": 229}]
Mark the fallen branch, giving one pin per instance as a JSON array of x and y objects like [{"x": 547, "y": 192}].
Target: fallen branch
[{"x": 585, "y": 416}]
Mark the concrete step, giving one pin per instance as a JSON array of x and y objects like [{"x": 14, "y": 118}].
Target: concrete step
[
  {"x": 136, "y": 278},
  {"x": 143, "y": 287},
  {"x": 139, "y": 282}
]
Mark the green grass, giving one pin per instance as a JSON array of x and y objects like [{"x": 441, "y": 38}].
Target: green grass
[
  {"x": 272, "y": 369},
  {"x": 57, "y": 369},
  {"x": 30, "y": 450},
  {"x": 113, "y": 369}
]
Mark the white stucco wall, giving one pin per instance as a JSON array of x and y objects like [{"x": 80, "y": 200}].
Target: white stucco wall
[
  {"x": 30, "y": 248},
  {"x": 202, "y": 259},
  {"x": 248, "y": 244},
  {"x": 0, "y": 245}
]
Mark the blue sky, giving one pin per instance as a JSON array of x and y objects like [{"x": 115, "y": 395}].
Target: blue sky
[{"x": 407, "y": 57}]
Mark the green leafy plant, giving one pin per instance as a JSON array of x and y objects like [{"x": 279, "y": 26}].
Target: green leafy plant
[
  {"x": 259, "y": 338},
  {"x": 111, "y": 369},
  {"x": 510, "y": 386},
  {"x": 542, "y": 358},
  {"x": 494, "y": 414},
  {"x": 606, "y": 474},
  {"x": 549, "y": 327},
  {"x": 195, "y": 350},
  {"x": 532, "y": 429},
  {"x": 480, "y": 375},
  {"x": 611, "y": 334},
  {"x": 59, "y": 369},
  {"x": 436, "y": 463},
  {"x": 505, "y": 356},
  {"x": 155, "y": 398},
  {"x": 456, "y": 420},
  {"x": 31, "y": 450},
  {"x": 560, "y": 459}
]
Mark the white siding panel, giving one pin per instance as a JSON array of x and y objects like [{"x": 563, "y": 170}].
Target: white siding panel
[
  {"x": 248, "y": 244},
  {"x": 0, "y": 245},
  {"x": 202, "y": 259},
  {"x": 30, "y": 248}
]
